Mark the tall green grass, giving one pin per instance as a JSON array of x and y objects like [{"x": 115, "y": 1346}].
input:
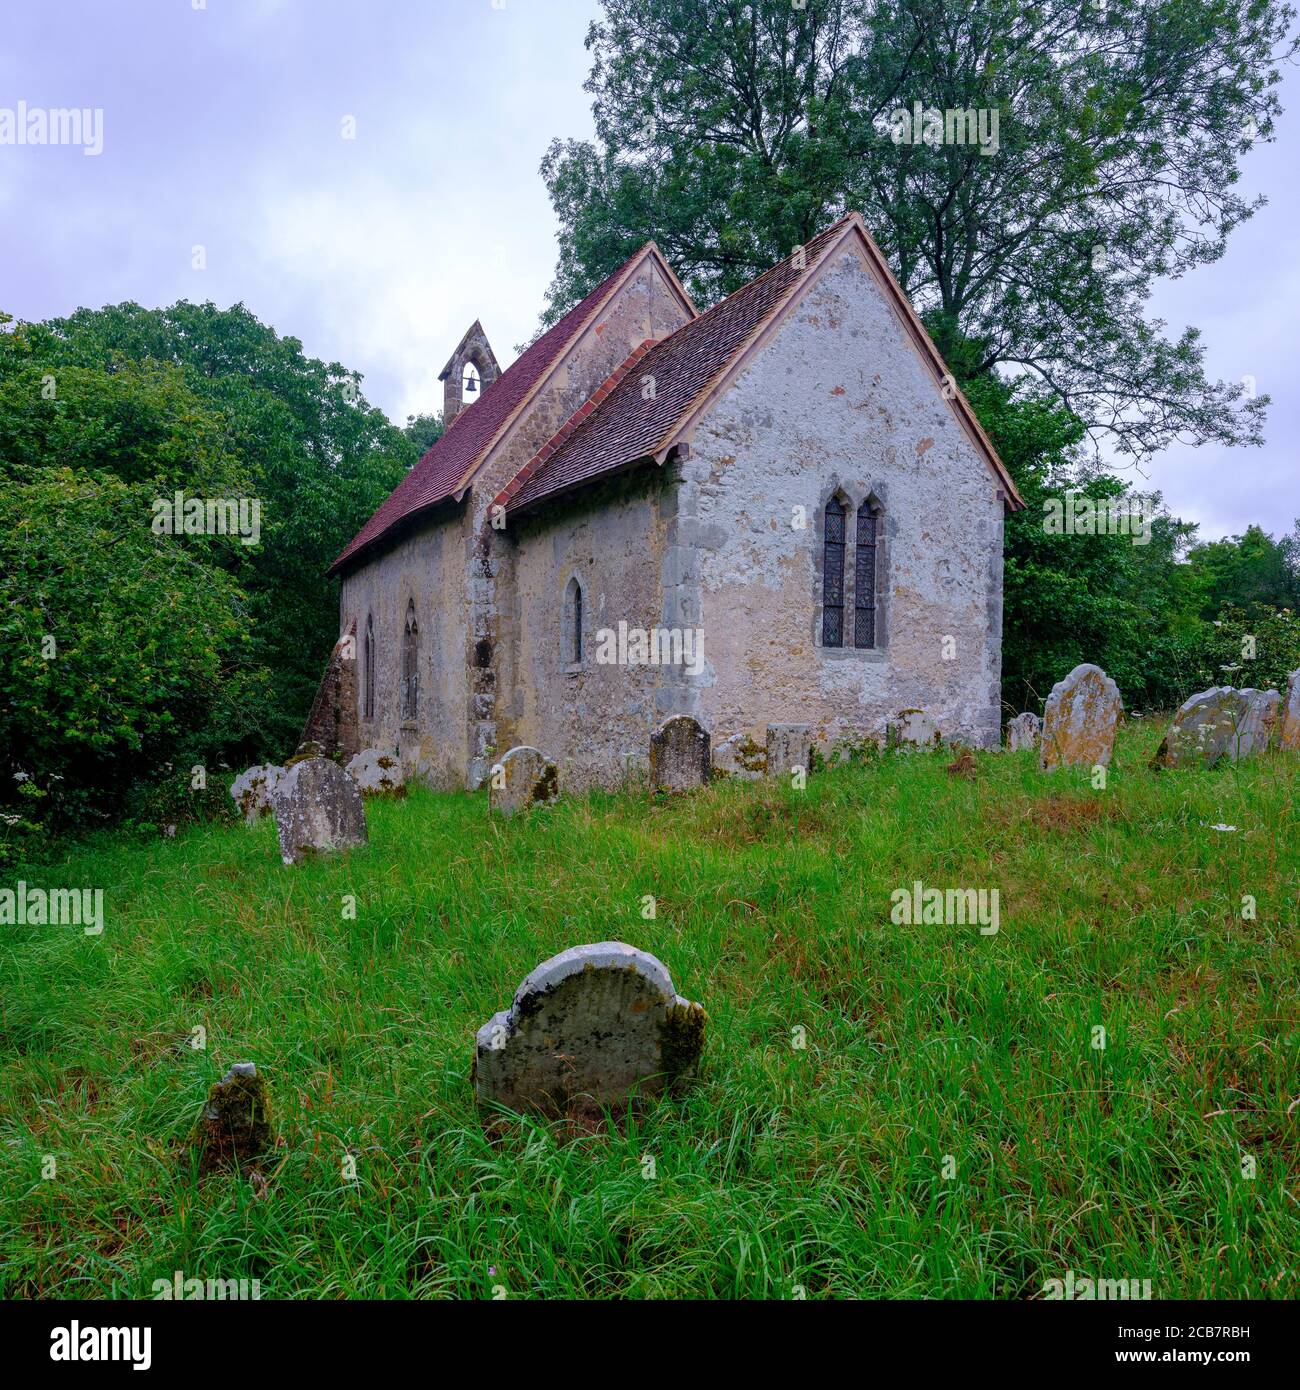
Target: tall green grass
[{"x": 787, "y": 1172}]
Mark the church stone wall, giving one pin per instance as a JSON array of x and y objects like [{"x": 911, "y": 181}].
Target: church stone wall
[
  {"x": 594, "y": 718},
  {"x": 645, "y": 307},
  {"x": 839, "y": 399},
  {"x": 428, "y": 567}
]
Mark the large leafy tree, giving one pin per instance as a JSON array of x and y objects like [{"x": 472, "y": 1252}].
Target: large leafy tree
[
  {"x": 732, "y": 131},
  {"x": 215, "y": 403}
]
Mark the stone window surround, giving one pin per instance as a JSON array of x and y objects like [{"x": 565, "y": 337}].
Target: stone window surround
[
  {"x": 573, "y": 576},
  {"x": 409, "y": 720},
  {"x": 853, "y": 497}
]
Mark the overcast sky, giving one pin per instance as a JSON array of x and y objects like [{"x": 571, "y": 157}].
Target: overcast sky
[{"x": 223, "y": 129}]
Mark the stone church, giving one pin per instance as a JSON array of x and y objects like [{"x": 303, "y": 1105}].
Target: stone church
[{"x": 779, "y": 510}]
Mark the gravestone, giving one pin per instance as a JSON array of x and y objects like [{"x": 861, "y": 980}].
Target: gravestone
[
  {"x": 378, "y": 772},
  {"x": 588, "y": 1028},
  {"x": 788, "y": 746},
  {"x": 1288, "y": 729},
  {"x": 254, "y": 791},
  {"x": 234, "y": 1127},
  {"x": 523, "y": 778},
  {"x": 1080, "y": 719},
  {"x": 741, "y": 757},
  {"x": 912, "y": 728},
  {"x": 1024, "y": 731},
  {"x": 1216, "y": 724},
  {"x": 679, "y": 755},
  {"x": 318, "y": 808}
]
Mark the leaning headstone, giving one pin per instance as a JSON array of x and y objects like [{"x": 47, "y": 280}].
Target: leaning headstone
[
  {"x": 591, "y": 1027},
  {"x": 1288, "y": 730},
  {"x": 739, "y": 756},
  {"x": 523, "y": 778},
  {"x": 788, "y": 746},
  {"x": 679, "y": 755},
  {"x": 318, "y": 808},
  {"x": 1024, "y": 731},
  {"x": 1080, "y": 719},
  {"x": 254, "y": 791},
  {"x": 912, "y": 728},
  {"x": 234, "y": 1128},
  {"x": 378, "y": 772},
  {"x": 1216, "y": 724}
]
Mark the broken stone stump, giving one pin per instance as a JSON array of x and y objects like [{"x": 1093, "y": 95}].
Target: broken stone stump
[
  {"x": 912, "y": 728},
  {"x": 318, "y": 808},
  {"x": 788, "y": 746},
  {"x": 679, "y": 755},
  {"x": 592, "y": 1027},
  {"x": 1219, "y": 723},
  {"x": 378, "y": 772},
  {"x": 254, "y": 791},
  {"x": 332, "y": 725},
  {"x": 739, "y": 756},
  {"x": 1024, "y": 731},
  {"x": 235, "y": 1125},
  {"x": 1288, "y": 730},
  {"x": 1080, "y": 719},
  {"x": 523, "y": 778}
]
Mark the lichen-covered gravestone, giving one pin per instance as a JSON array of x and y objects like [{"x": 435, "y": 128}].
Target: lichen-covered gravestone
[
  {"x": 912, "y": 728},
  {"x": 788, "y": 746},
  {"x": 378, "y": 772},
  {"x": 1288, "y": 731},
  {"x": 254, "y": 791},
  {"x": 1024, "y": 731},
  {"x": 1219, "y": 723},
  {"x": 318, "y": 808},
  {"x": 679, "y": 755},
  {"x": 523, "y": 778},
  {"x": 235, "y": 1126},
  {"x": 739, "y": 756},
  {"x": 591, "y": 1027},
  {"x": 1080, "y": 719}
]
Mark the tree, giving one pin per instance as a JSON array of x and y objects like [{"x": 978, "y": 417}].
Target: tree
[
  {"x": 424, "y": 431},
  {"x": 732, "y": 132},
  {"x": 215, "y": 403},
  {"x": 1247, "y": 571}
]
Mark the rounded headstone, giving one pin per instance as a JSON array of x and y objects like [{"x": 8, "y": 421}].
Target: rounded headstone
[
  {"x": 1080, "y": 719},
  {"x": 377, "y": 771},
  {"x": 318, "y": 808},
  {"x": 590, "y": 1027},
  {"x": 254, "y": 791},
  {"x": 739, "y": 756},
  {"x": 524, "y": 777},
  {"x": 1024, "y": 731},
  {"x": 679, "y": 755},
  {"x": 1219, "y": 723}
]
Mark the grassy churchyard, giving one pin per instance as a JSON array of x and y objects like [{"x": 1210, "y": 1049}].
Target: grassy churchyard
[{"x": 1106, "y": 1085}]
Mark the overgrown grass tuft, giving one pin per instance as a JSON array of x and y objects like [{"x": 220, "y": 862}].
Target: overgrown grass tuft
[{"x": 820, "y": 1168}]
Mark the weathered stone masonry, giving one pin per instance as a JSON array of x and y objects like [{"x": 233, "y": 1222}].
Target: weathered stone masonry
[{"x": 684, "y": 485}]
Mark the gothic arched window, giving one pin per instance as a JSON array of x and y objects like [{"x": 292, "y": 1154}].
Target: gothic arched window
[
  {"x": 369, "y": 653},
  {"x": 410, "y": 663},
  {"x": 864, "y": 577},
  {"x": 833, "y": 573},
  {"x": 573, "y": 622}
]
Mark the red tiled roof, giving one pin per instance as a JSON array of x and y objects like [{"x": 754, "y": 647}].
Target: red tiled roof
[
  {"x": 618, "y": 427},
  {"x": 443, "y": 470},
  {"x": 623, "y": 426}
]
